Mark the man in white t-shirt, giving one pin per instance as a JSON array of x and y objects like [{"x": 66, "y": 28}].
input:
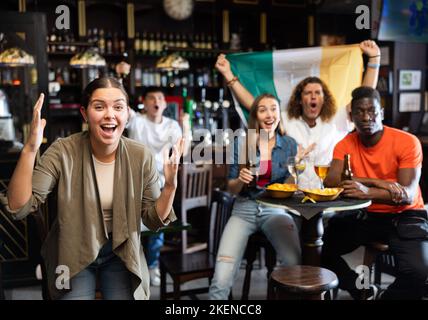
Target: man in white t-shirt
[
  {"x": 157, "y": 132},
  {"x": 312, "y": 116}
]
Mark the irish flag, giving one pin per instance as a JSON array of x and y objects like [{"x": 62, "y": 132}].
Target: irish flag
[{"x": 278, "y": 72}]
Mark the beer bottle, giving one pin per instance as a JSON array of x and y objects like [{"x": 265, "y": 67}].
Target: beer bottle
[
  {"x": 347, "y": 171},
  {"x": 251, "y": 165}
]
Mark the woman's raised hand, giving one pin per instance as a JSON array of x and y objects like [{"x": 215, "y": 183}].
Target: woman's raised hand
[
  {"x": 170, "y": 167},
  {"x": 223, "y": 66},
  {"x": 302, "y": 152},
  {"x": 37, "y": 126}
]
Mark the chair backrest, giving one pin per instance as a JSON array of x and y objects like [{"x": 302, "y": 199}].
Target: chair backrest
[
  {"x": 196, "y": 182},
  {"x": 220, "y": 210}
]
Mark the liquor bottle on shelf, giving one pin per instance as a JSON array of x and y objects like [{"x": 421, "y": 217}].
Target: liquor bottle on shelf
[
  {"x": 67, "y": 40},
  {"x": 66, "y": 75},
  {"x": 184, "y": 42},
  {"x": 184, "y": 80},
  {"x": 52, "y": 39},
  {"x": 171, "y": 42},
  {"x": 122, "y": 43},
  {"x": 196, "y": 43},
  {"x": 215, "y": 43},
  {"x": 209, "y": 44},
  {"x": 51, "y": 73},
  {"x": 208, "y": 116},
  {"x": 188, "y": 106},
  {"x": 138, "y": 75},
  {"x": 152, "y": 44},
  {"x": 200, "y": 121},
  {"x": 214, "y": 78},
  {"x": 102, "y": 42},
  {"x": 95, "y": 39},
  {"x": 58, "y": 76},
  {"x": 137, "y": 43},
  {"x": 158, "y": 44},
  {"x": 144, "y": 44},
  {"x": 224, "y": 107},
  {"x": 60, "y": 42},
  {"x": 109, "y": 42},
  {"x": 176, "y": 79},
  {"x": 157, "y": 79},
  {"x": 164, "y": 40},
  {"x": 73, "y": 47},
  {"x": 116, "y": 45},
  {"x": 164, "y": 79}
]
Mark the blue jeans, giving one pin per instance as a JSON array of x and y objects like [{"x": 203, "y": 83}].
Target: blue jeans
[
  {"x": 154, "y": 245},
  {"x": 248, "y": 216},
  {"x": 114, "y": 278}
]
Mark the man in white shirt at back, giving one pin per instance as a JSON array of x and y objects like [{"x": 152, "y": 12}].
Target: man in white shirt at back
[{"x": 153, "y": 129}]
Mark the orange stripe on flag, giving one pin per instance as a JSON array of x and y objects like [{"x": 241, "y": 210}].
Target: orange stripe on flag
[{"x": 342, "y": 70}]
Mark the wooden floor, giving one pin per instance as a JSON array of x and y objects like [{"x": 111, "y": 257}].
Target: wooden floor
[{"x": 257, "y": 292}]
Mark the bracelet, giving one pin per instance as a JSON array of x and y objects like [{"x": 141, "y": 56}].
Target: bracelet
[
  {"x": 374, "y": 56},
  {"x": 231, "y": 82},
  {"x": 373, "y": 65}
]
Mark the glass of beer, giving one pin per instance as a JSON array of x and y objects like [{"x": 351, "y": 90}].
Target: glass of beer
[{"x": 322, "y": 170}]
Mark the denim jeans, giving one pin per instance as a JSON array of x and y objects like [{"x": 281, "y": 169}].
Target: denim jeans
[
  {"x": 248, "y": 216},
  {"x": 348, "y": 230},
  {"x": 154, "y": 245},
  {"x": 114, "y": 278}
]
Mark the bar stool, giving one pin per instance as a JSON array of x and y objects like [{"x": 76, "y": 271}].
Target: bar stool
[
  {"x": 301, "y": 283},
  {"x": 378, "y": 258},
  {"x": 372, "y": 252},
  {"x": 255, "y": 242}
]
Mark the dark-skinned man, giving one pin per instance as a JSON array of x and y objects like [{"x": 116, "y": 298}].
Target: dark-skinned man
[{"x": 386, "y": 163}]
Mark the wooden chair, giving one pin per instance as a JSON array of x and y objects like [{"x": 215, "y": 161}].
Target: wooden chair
[
  {"x": 197, "y": 265},
  {"x": 301, "y": 283},
  {"x": 255, "y": 243},
  {"x": 1, "y": 277},
  {"x": 195, "y": 192}
]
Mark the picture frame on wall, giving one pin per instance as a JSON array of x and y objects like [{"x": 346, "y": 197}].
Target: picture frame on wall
[
  {"x": 409, "y": 79},
  {"x": 410, "y": 102}
]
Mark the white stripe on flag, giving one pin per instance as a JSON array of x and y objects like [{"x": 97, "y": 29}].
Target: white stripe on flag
[
  {"x": 291, "y": 66},
  {"x": 239, "y": 110}
]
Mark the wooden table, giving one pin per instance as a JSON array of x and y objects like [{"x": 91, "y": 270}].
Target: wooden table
[{"x": 312, "y": 225}]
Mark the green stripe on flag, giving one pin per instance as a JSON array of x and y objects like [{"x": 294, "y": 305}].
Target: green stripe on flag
[{"x": 255, "y": 72}]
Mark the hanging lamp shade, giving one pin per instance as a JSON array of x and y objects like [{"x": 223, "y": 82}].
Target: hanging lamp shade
[
  {"x": 16, "y": 57},
  {"x": 172, "y": 62},
  {"x": 86, "y": 59}
]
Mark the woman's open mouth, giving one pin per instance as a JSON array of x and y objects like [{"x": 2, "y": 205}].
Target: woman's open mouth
[
  {"x": 108, "y": 129},
  {"x": 268, "y": 124}
]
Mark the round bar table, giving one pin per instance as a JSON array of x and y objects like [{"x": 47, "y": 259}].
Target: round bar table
[{"x": 312, "y": 225}]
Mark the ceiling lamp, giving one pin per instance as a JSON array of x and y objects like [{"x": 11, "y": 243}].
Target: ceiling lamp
[
  {"x": 16, "y": 57},
  {"x": 172, "y": 62},
  {"x": 87, "y": 58}
]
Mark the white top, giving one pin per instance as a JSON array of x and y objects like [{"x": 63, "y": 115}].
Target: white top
[
  {"x": 105, "y": 180},
  {"x": 325, "y": 134},
  {"x": 156, "y": 136}
]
